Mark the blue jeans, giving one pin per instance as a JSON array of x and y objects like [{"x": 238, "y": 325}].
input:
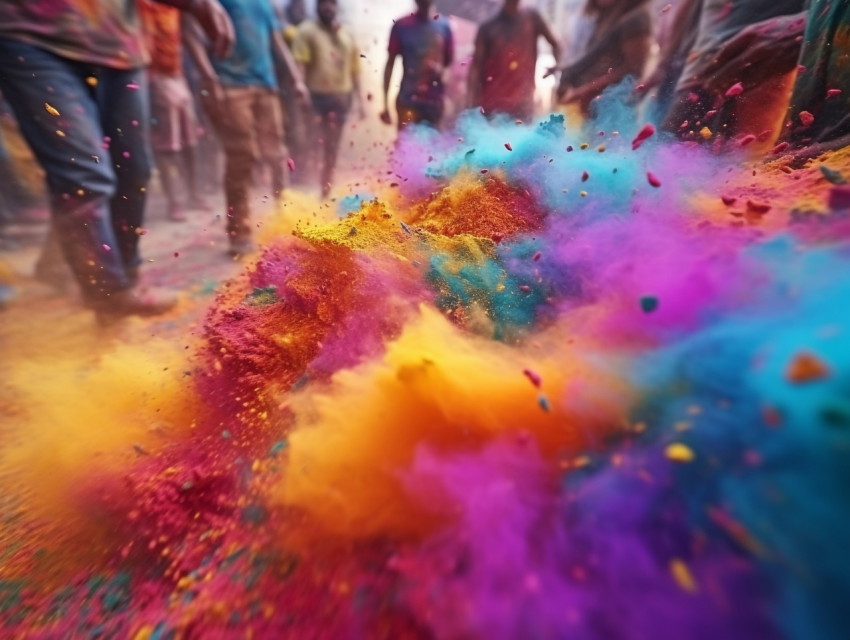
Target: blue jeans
[{"x": 94, "y": 153}]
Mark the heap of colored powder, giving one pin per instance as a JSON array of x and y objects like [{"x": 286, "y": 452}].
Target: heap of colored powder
[{"x": 486, "y": 208}]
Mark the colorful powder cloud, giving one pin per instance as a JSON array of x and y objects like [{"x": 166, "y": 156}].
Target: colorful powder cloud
[{"x": 525, "y": 394}]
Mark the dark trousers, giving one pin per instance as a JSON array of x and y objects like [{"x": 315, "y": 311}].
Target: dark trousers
[{"x": 92, "y": 144}]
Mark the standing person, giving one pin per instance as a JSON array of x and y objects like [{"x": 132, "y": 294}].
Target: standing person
[
  {"x": 330, "y": 62},
  {"x": 244, "y": 106},
  {"x": 620, "y": 48},
  {"x": 174, "y": 125},
  {"x": 73, "y": 73},
  {"x": 501, "y": 75},
  {"x": 424, "y": 42}
]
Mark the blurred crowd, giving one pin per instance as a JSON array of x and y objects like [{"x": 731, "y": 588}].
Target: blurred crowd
[{"x": 227, "y": 94}]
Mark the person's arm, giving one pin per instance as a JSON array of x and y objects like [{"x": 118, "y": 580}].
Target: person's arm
[
  {"x": 476, "y": 71},
  {"x": 393, "y": 51},
  {"x": 632, "y": 37},
  {"x": 388, "y": 76},
  {"x": 195, "y": 44},
  {"x": 577, "y": 68},
  {"x": 213, "y": 19},
  {"x": 544, "y": 30},
  {"x": 285, "y": 61},
  {"x": 355, "y": 81},
  {"x": 302, "y": 52}
]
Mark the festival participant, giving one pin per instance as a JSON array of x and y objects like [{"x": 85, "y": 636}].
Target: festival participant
[
  {"x": 424, "y": 42},
  {"x": 620, "y": 47},
  {"x": 73, "y": 73},
  {"x": 174, "y": 125},
  {"x": 244, "y": 106},
  {"x": 819, "y": 114},
  {"x": 753, "y": 45},
  {"x": 330, "y": 63},
  {"x": 501, "y": 75}
]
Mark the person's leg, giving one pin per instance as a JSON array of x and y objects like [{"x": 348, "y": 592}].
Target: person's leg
[
  {"x": 80, "y": 178},
  {"x": 187, "y": 140},
  {"x": 191, "y": 167},
  {"x": 234, "y": 122},
  {"x": 165, "y": 139},
  {"x": 406, "y": 115},
  {"x": 333, "y": 114},
  {"x": 307, "y": 169},
  {"x": 268, "y": 116},
  {"x": 433, "y": 115},
  {"x": 170, "y": 167},
  {"x": 297, "y": 126},
  {"x": 319, "y": 130},
  {"x": 122, "y": 99}
]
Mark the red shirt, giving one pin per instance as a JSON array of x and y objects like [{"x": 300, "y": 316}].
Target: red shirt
[
  {"x": 161, "y": 31},
  {"x": 509, "y": 48}
]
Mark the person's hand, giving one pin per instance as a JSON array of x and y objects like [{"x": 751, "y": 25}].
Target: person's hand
[
  {"x": 385, "y": 117},
  {"x": 302, "y": 93},
  {"x": 213, "y": 93},
  {"x": 216, "y": 25}
]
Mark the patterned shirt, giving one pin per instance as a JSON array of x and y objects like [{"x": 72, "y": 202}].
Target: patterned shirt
[
  {"x": 100, "y": 32},
  {"x": 426, "y": 49}
]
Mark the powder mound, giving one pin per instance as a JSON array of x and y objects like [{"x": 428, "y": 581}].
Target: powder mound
[
  {"x": 249, "y": 344},
  {"x": 370, "y": 227},
  {"x": 488, "y": 209}
]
